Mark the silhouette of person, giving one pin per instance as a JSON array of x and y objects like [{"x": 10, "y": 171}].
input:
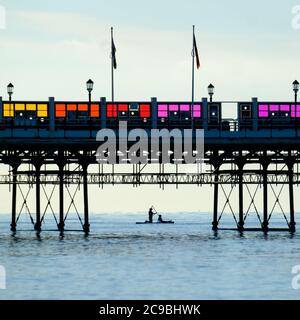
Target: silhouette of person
[
  {"x": 151, "y": 214},
  {"x": 160, "y": 219}
]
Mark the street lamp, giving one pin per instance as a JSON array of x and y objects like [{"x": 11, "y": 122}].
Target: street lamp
[
  {"x": 211, "y": 91},
  {"x": 89, "y": 88},
  {"x": 296, "y": 89},
  {"x": 10, "y": 90}
]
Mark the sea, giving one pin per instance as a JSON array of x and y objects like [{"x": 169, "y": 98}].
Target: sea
[{"x": 123, "y": 260}]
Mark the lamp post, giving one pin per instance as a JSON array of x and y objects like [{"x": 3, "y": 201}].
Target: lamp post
[
  {"x": 89, "y": 88},
  {"x": 296, "y": 89},
  {"x": 10, "y": 91},
  {"x": 211, "y": 91}
]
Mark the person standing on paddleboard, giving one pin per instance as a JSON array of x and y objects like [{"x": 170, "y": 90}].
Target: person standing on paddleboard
[{"x": 151, "y": 213}]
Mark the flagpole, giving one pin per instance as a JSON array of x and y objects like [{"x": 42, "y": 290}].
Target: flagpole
[
  {"x": 112, "y": 69},
  {"x": 193, "y": 77}
]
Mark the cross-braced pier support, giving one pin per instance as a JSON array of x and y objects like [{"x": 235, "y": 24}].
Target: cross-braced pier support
[
  {"x": 13, "y": 225},
  {"x": 215, "y": 222},
  {"x": 292, "y": 223},
  {"x": 61, "y": 223},
  {"x": 275, "y": 168},
  {"x": 86, "y": 225},
  {"x": 38, "y": 223}
]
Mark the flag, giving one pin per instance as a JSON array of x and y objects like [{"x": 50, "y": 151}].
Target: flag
[
  {"x": 196, "y": 53},
  {"x": 113, "y": 53}
]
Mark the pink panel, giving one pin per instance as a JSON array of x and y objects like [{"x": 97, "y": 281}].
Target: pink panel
[
  {"x": 197, "y": 107},
  {"x": 263, "y": 107},
  {"x": 263, "y": 114},
  {"x": 162, "y": 114},
  {"x": 298, "y": 114},
  {"x": 285, "y": 107},
  {"x": 162, "y": 107},
  {"x": 293, "y": 114},
  {"x": 293, "y": 108},
  {"x": 173, "y": 107},
  {"x": 197, "y": 114},
  {"x": 274, "y": 107},
  {"x": 184, "y": 107}
]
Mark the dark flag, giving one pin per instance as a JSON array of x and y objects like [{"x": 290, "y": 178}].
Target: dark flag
[
  {"x": 113, "y": 53},
  {"x": 196, "y": 53}
]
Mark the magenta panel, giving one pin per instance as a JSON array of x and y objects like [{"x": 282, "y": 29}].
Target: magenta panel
[
  {"x": 274, "y": 107},
  {"x": 197, "y": 107},
  {"x": 163, "y": 114},
  {"x": 184, "y": 107},
  {"x": 293, "y": 107},
  {"x": 173, "y": 107},
  {"x": 263, "y": 114},
  {"x": 197, "y": 114},
  {"x": 284, "y": 107},
  {"x": 162, "y": 107},
  {"x": 263, "y": 107}
]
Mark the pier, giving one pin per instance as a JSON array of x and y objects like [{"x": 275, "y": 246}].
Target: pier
[{"x": 259, "y": 148}]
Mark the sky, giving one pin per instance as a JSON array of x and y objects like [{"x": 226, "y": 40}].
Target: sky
[{"x": 247, "y": 49}]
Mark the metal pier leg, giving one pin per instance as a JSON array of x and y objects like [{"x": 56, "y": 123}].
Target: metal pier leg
[
  {"x": 61, "y": 224},
  {"x": 292, "y": 224},
  {"x": 13, "y": 225},
  {"x": 241, "y": 202},
  {"x": 216, "y": 193},
  {"x": 38, "y": 224},
  {"x": 265, "y": 224},
  {"x": 86, "y": 226}
]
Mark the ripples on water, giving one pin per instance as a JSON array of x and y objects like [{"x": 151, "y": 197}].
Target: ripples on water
[{"x": 122, "y": 260}]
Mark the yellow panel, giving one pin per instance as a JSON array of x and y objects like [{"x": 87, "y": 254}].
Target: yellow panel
[
  {"x": 30, "y": 107},
  {"x": 8, "y": 106},
  {"x": 42, "y": 107},
  {"x": 42, "y": 113},
  {"x": 8, "y": 113},
  {"x": 19, "y": 106}
]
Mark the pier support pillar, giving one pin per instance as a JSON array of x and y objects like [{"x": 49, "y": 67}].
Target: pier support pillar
[
  {"x": 292, "y": 224},
  {"x": 61, "y": 224},
  {"x": 13, "y": 225},
  {"x": 38, "y": 224},
  {"x": 265, "y": 223},
  {"x": 241, "y": 201},
  {"x": 216, "y": 194},
  {"x": 86, "y": 226}
]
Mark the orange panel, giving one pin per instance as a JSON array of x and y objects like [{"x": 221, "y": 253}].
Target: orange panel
[
  {"x": 60, "y": 113},
  {"x": 82, "y": 107},
  {"x": 94, "y": 106},
  {"x": 95, "y": 114},
  {"x": 60, "y": 107},
  {"x": 72, "y": 107},
  {"x": 95, "y": 110}
]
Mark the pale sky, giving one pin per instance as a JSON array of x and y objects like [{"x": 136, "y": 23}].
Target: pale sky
[{"x": 247, "y": 48}]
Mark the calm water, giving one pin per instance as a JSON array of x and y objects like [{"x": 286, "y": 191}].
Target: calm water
[{"x": 122, "y": 260}]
